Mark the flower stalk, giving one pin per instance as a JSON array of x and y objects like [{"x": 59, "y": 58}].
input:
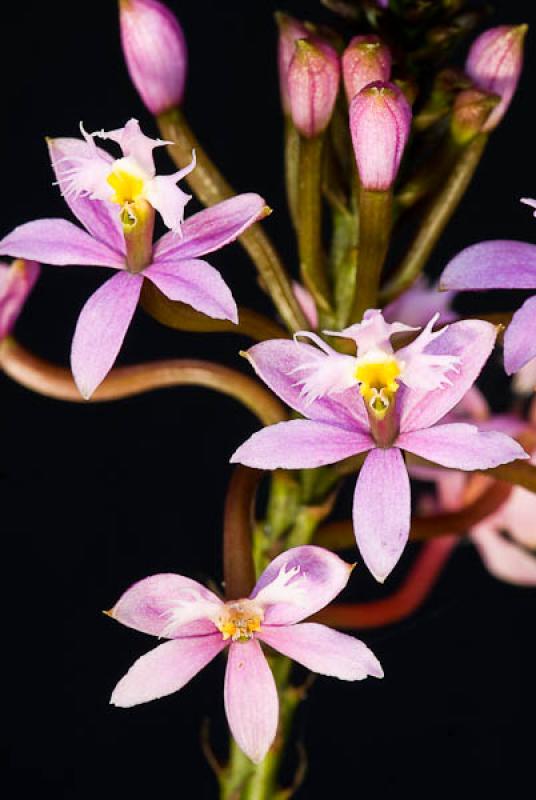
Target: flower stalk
[
  {"x": 182, "y": 317},
  {"x": 312, "y": 259},
  {"x": 238, "y": 523},
  {"x": 50, "y": 380},
  {"x": 375, "y": 219}
]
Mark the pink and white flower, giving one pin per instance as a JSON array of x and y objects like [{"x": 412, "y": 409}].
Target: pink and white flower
[
  {"x": 199, "y": 625},
  {"x": 382, "y": 402},
  {"x": 16, "y": 282},
  {"x": 104, "y": 194},
  {"x": 124, "y": 181}
]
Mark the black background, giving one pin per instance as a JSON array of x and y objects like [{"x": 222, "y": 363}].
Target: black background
[{"x": 93, "y": 497}]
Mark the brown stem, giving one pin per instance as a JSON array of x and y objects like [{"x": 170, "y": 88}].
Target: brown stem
[
  {"x": 339, "y": 535},
  {"x": 50, "y": 380},
  {"x": 184, "y": 318},
  {"x": 238, "y": 522},
  {"x": 211, "y": 187}
]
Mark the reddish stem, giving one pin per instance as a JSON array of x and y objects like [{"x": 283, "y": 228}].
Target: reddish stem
[
  {"x": 238, "y": 522},
  {"x": 416, "y": 587}
]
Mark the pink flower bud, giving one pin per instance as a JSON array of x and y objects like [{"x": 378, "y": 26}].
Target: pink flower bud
[
  {"x": 290, "y": 30},
  {"x": 380, "y": 121},
  {"x": 494, "y": 64},
  {"x": 155, "y": 52},
  {"x": 365, "y": 60},
  {"x": 16, "y": 282},
  {"x": 313, "y": 83}
]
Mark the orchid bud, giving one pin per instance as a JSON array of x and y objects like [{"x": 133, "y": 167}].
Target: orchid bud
[
  {"x": 471, "y": 111},
  {"x": 380, "y": 121},
  {"x": 155, "y": 52},
  {"x": 313, "y": 83},
  {"x": 494, "y": 64},
  {"x": 365, "y": 60},
  {"x": 290, "y": 30},
  {"x": 16, "y": 282}
]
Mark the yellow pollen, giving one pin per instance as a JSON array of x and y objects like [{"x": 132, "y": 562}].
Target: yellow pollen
[
  {"x": 378, "y": 384},
  {"x": 128, "y": 188},
  {"x": 239, "y": 621}
]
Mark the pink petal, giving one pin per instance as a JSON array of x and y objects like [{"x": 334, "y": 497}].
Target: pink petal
[
  {"x": 373, "y": 333},
  {"x": 299, "y": 582},
  {"x": 472, "y": 341},
  {"x": 251, "y": 701},
  {"x": 323, "y": 650},
  {"x": 166, "y": 669},
  {"x": 505, "y": 560},
  {"x": 196, "y": 283},
  {"x": 134, "y": 144},
  {"x": 520, "y": 337},
  {"x": 101, "y": 328},
  {"x": 462, "y": 446},
  {"x": 307, "y": 303},
  {"x": 417, "y": 305},
  {"x": 99, "y": 217},
  {"x": 300, "y": 444},
  {"x": 210, "y": 229},
  {"x": 498, "y": 264},
  {"x": 58, "y": 242},
  {"x": 163, "y": 604},
  {"x": 16, "y": 282},
  {"x": 524, "y": 382},
  {"x": 450, "y": 488},
  {"x": 382, "y": 507},
  {"x": 278, "y": 363}
]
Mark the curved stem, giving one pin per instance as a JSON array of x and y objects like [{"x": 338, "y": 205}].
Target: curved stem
[
  {"x": 238, "y": 522},
  {"x": 340, "y": 535},
  {"x": 50, "y": 380},
  {"x": 182, "y": 317},
  {"x": 416, "y": 587},
  {"x": 435, "y": 219},
  {"x": 211, "y": 187}
]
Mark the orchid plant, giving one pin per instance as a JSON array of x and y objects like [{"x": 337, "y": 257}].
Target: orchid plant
[{"x": 365, "y": 372}]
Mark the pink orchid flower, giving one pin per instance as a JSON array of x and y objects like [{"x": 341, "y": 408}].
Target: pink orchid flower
[
  {"x": 501, "y": 264},
  {"x": 101, "y": 193},
  {"x": 199, "y": 625},
  {"x": 382, "y": 401},
  {"x": 16, "y": 282},
  {"x": 506, "y": 539}
]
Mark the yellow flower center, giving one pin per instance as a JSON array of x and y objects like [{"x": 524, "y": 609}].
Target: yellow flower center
[
  {"x": 239, "y": 621},
  {"x": 128, "y": 188},
  {"x": 378, "y": 384}
]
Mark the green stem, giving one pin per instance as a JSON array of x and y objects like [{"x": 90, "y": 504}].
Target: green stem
[
  {"x": 312, "y": 260},
  {"x": 344, "y": 259},
  {"x": 211, "y": 187},
  {"x": 436, "y": 217},
  {"x": 182, "y": 317},
  {"x": 292, "y": 167},
  {"x": 375, "y": 220}
]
